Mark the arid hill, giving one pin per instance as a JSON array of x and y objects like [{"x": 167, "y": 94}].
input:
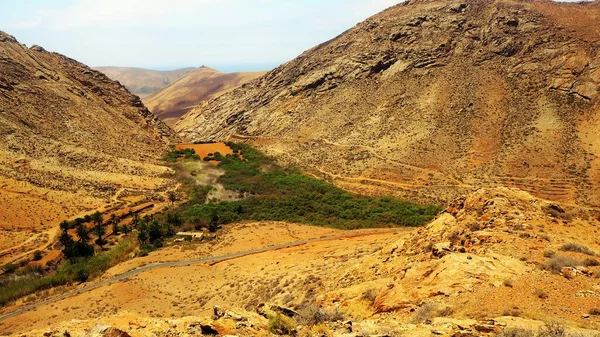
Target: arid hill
[
  {"x": 72, "y": 140},
  {"x": 430, "y": 99},
  {"x": 197, "y": 86},
  {"x": 143, "y": 82}
]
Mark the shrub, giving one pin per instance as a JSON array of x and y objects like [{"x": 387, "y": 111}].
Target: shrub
[
  {"x": 10, "y": 268},
  {"x": 594, "y": 312},
  {"x": 369, "y": 295},
  {"x": 549, "y": 253},
  {"x": 315, "y": 315},
  {"x": 428, "y": 311},
  {"x": 541, "y": 294},
  {"x": 516, "y": 333},
  {"x": 591, "y": 263},
  {"x": 575, "y": 247},
  {"x": 552, "y": 329},
  {"x": 281, "y": 325},
  {"x": 558, "y": 262},
  {"x": 37, "y": 255}
]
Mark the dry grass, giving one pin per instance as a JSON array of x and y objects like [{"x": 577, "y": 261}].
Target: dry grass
[
  {"x": 575, "y": 247},
  {"x": 428, "y": 311},
  {"x": 558, "y": 262}
]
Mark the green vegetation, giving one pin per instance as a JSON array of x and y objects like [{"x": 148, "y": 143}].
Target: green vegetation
[
  {"x": 174, "y": 155},
  {"x": 286, "y": 194},
  {"x": 269, "y": 191},
  {"x": 31, "y": 279}
]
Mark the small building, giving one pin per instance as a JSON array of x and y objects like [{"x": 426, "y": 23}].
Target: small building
[{"x": 189, "y": 236}]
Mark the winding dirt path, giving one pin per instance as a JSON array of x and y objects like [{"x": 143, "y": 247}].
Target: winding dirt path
[{"x": 207, "y": 260}]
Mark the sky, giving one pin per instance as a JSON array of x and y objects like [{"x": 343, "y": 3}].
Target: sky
[{"x": 229, "y": 35}]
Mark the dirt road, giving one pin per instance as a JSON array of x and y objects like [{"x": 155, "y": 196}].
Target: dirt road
[{"x": 208, "y": 260}]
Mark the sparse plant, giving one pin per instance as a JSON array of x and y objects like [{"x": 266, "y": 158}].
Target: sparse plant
[
  {"x": 281, "y": 324},
  {"x": 594, "y": 312},
  {"x": 428, "y": 311},
  {"x": 454, "y": 237},
  {"x": 552, "y": 329},
  {"x": 558, "y": 262},
  {"x": 37, "y": 255},
  {"x": 508, "y": 283},
  {"x": 516, "y": 333},
  {"x": 315, "y": 315},
  {"x": 578, "y": 248},
  {"x": 591, "y": 262},
  {"x": 549, "y": 253},
  {"x": 474, "y": 227},
  {"x": 541, "y": 294},
  {"x": 369, "y": 295}
]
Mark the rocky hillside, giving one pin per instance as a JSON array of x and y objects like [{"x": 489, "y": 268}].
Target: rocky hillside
[
  {"x": 195, "y": 87},
  {"x": 433, "y": 98},
  {"x": 71, "y": 139},
  {"x": 143, "y": 82}
]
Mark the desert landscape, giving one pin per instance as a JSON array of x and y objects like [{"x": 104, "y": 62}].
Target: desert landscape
[{"x": 432, "y": 171}]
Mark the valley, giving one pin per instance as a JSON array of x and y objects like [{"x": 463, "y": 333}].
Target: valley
[{"x": 431, "y": 171}]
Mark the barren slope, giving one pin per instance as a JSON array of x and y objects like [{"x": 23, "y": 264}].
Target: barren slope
[
  {"x": 71, "y": 139},
  {"x": 430, "y": 99},
  {"x": 197, "y": 86},
  {"x": 143, "y": 82}
]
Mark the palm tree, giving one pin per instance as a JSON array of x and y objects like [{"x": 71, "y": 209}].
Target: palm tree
[
  {"x": 115, "y": 224},
  {"x": 83, "y": 233},
  {"x": 172, "y": 197},
  {"x": 97, "y": 218},
  {"x": 65, "y": 225},
  {"x": 100, "y": 231}
]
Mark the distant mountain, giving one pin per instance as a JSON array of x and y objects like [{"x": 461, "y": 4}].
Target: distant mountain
[
  {"x": 433, "y": 98},
  {"x": 196, "y": 86},
  {"x": 143, "y": 82}
]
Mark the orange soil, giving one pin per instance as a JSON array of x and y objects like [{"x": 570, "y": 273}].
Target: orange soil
[
  {"x": 187, "y": 290},
  {"x": 204, "y": 149}
]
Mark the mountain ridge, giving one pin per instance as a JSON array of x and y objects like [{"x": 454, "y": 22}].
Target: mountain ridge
[
  {"x": 73, "y": 140},
  {"x": 198, "y": 85},
  {"x": 441, "y": 96}
]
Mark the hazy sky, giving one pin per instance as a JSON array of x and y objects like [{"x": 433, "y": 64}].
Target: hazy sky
[{"x": 164, "y": 34}]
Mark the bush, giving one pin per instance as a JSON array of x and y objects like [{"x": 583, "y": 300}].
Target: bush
[
  {"x": 77, "y": 270},
  {"x": 552, "y": 329},
  {"x": 575, "y": 247},
  {"x": 541, "y": 294},
  {"x": 10, "y": 268},
  {"x": 594, "y": 312},
  {"x": 549, "y": 253},
  {"x": 369, "y": 295},
  {"x": 558, "y": 262},
  {"x": 37, "y": 255},
  {"x": 281, "y": 325},
  {"x": 428, "y": 311},
  {"x": 315, "y": 315},
  {"x": 516, "y": 333},
  {"x": 591, "y": 263}
]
